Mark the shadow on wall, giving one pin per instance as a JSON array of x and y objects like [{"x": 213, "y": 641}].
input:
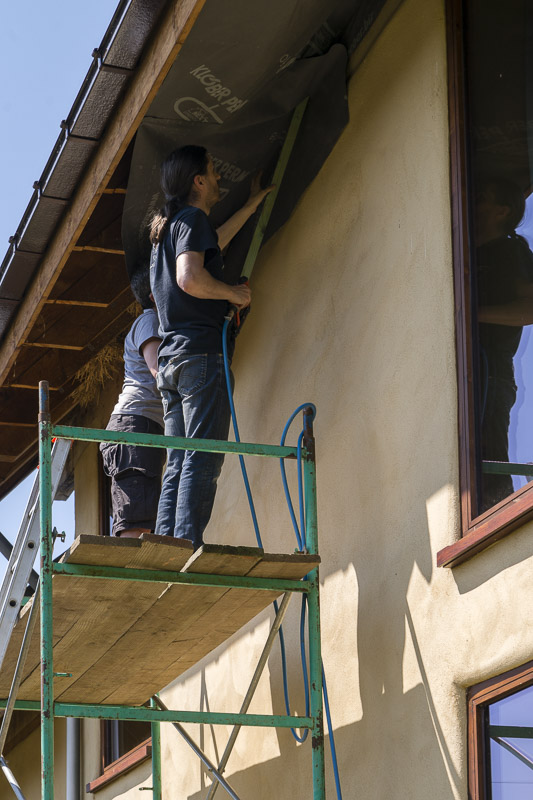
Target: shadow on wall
[
  {"x": 486, "y": 565},
  {"x": 399, "y": 727},
  {"x": 399, "y": 732},
  {"x": 361, "y": 774}
]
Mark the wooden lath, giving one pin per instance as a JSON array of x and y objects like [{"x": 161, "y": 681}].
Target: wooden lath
[
  {"x": 53, "y": 345},
  {"x": 90, "y": 276},
  {"x": 107, "y": 250},
  {"x": 80, "y": 303}
]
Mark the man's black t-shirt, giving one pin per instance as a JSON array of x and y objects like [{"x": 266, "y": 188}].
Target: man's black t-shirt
[{"x": 187, "y": 324}]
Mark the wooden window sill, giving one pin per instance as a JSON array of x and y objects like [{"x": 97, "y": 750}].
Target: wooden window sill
[
  {"x": 122, "y": 765},
  {"x": 489, "y": 528}
]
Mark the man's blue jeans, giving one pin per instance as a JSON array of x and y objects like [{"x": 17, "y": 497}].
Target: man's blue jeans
[{"x": 196, "y": 405}]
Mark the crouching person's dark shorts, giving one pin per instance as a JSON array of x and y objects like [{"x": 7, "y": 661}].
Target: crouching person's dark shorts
[{"x": 135, "y": 474}]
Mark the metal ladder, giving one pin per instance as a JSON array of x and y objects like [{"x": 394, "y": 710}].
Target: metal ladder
[{"x": 18, "y": 574}]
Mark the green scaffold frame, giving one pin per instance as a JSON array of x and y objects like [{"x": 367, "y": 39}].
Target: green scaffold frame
[{"x": 155, "y": 713}]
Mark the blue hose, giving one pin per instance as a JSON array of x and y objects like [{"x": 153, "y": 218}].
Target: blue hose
[
  {"x": 300, "y": 534},
  {"x": 305, "y": 734}
]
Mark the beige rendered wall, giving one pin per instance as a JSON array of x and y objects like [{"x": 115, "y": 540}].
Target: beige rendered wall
[
  {"x": 353, "y": 309},
  {"x": 87, "y": 463},
  {"x": 25, "y": 763}
]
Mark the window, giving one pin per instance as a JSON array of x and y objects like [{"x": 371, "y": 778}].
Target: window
[
  {"x": 119, "y": 738},
  {"x": 491, "y": 123},
  {"x": 500, "y": 735},
  {"x": 124, "y": 745}
]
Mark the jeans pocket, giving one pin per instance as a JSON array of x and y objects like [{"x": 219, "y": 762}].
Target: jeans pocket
[
  {"x": 108, "y": 451},
  {"x": 192, "y": 375},
  {"x": 159, "y": 380}
]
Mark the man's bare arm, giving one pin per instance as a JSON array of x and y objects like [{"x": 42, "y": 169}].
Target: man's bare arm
[
  {"x": 232, "y": 226},
  {"x": 149, "y": 353},
  {"x": 194, "y": 279},
  {"x": 517, "y": 312}
]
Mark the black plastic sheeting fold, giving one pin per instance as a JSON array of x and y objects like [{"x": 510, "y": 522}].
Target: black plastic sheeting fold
[{"x": 233, "y": 88}]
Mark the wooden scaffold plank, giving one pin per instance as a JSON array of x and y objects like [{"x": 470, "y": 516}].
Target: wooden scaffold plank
[{"x": 125, "y": 640}]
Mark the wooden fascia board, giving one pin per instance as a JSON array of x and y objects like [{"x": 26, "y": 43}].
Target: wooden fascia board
[{"x": 161, "y": 53}]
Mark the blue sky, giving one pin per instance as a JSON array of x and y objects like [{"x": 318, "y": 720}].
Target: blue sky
[
  {"x": 511, "y": 778},
  {"x": 45, "y": 53},
  {"x": 521, "y": 429}
]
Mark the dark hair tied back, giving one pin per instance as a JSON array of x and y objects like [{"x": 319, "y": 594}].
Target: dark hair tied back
[
  {"x": 178, "y": 172},
  {"x": 140, "y": 286}
]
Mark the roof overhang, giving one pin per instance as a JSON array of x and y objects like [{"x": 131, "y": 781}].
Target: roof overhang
[{"x": 63, "y": 286}]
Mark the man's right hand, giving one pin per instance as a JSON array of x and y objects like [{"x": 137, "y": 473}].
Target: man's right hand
[{"x": 241, "y": 296}]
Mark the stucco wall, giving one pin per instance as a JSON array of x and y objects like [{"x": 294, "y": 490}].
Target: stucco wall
[
  {"x": 87, "y": 463},
  {"x": 353, "y": 310},
  {"x": 25, "y": 764}
]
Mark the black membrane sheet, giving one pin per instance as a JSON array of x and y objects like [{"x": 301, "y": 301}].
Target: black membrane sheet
[{"x": 242, "y": 71}]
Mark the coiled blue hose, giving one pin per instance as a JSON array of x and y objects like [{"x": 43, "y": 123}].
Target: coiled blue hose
[{"x": 300, "y": 534}]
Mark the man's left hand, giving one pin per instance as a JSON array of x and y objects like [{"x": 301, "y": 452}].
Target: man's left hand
[{"x": 257, "y": 194}]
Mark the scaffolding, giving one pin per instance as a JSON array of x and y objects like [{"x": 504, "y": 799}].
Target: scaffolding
[{"x": 152, "y": 709}]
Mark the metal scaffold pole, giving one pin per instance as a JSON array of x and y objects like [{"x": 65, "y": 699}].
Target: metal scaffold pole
[
  {"x": 50, "y": 468},
  {"x": 156, "y": 756},
  {"x": 47, "y": 666},
  {"x": 313, "y": 600}
]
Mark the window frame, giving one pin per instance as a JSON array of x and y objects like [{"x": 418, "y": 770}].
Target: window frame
[
  {"x": 128, "y": 761},
  {"x": 478, "y": 531},
  {"x": 480, "y": 697}
]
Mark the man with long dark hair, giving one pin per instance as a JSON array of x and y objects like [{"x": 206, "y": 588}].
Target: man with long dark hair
[{"x": 192, "y": 298}]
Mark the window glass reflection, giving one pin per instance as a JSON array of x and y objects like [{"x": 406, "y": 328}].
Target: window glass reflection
[
  {"x": 499, "y": 64},
  {"x": 521, "y": 427},
  {"x": 511, "y": 757},
  {"x": 504, "y": 271}
]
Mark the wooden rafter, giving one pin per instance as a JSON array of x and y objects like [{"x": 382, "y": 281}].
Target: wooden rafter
[
  {"x": 82, "y": 303},
  {"x": 109, "y": 250},
  {"x": 53, "y": 345},
  {"x": 30, "y": 386}
]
